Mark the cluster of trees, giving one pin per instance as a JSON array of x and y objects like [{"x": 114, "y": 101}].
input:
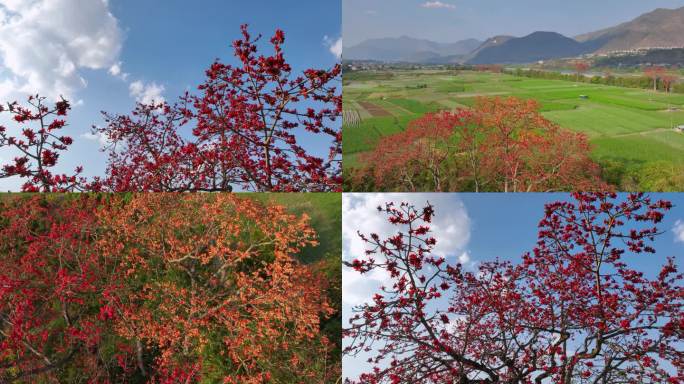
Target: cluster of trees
[
  {"x": 162, "y": 288},
  {"x": 655, "y": 77},
  {"x": 572, "y": 311},
  {"x": 242, "y": 129},
  {"x": 501, "y": 144}
]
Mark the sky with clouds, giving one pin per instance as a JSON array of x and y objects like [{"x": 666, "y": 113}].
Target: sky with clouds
[
  {"x": 449, "y": 21},
  {"x": 471, "y": 228},
  {"x": 106, "y": 54}
]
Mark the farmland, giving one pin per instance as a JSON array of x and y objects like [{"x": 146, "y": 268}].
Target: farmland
[{"x": 628, "y": 128}]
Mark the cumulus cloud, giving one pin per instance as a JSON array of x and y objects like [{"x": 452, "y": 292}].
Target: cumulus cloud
[
  {"x": 464, "y": 258},
  {"x": 146, "y": 93},
  {"x": 334, "y": 45},
  {"x": 99, "y": 137},
  {"x": 45, "y": 44},
  {"x": 437, "y": 4},
  {"x": 678, "y": 230},
  {"x": 451, "y": 227},
  {"x": 115, "y": 69}
]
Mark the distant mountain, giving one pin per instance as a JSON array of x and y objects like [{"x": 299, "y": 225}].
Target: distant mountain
[
  {"x": 491, "y": 42},
  {"x": 533, "y": 47},
  {"x": 408, "y": 49},
  {"x": 657, "y": 29}
]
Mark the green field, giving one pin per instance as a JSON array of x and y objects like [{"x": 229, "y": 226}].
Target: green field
[{"x": 625, "y": 125}]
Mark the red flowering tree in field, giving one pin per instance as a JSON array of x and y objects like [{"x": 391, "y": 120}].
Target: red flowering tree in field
[
  {"x": 38, "y": 146},
  {"x": 581, "y": 67},
  {"x": 572, "y": 312},
  {"x": 654, "y": 72},
  {"x": 415, "y": 157},
  {"x": 243, "y": 129},
  {"x": 498, "y": 145},
  {"x": 669, "y": 79},
  {"x": 226, "y": 283},
  {"x": 51, "y": 281},
  {"x": 511, "y": 147}
]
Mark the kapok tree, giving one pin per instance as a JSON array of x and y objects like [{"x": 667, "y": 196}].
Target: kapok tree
[
  {"x": 669, "y": 79},
  {"x": 51, "y": 280},
  {"x": 498, "y": 145},
  {"x": 654, "y": 72},
  {"x": 572, "y": 312},
  {"x": 243, "y": 129},
  {"x": 38, "y": 145},
  {"x": 415, "y": 158},
  {"x": 581, "y": 67},
  {"x": 512, "y": 147},
  {"x": 226, "y": 283}
]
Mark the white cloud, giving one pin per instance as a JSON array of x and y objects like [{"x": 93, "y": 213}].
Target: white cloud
[
  {"x": 450, "y": 226},
  {"x": 146, "y": 93},
  {"x": 45, "y": 44},
  {"x": 97, "y": 136},
  {"x": 678, "y": 230},
  {"x": 334, "y": 45},
  {"x": 116, "y": 71},
  {"x": 437, "y": 4}
]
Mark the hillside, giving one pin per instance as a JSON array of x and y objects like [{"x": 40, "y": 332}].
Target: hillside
[
  {"x": 659, "y": 28},
  {"x": 491, "y": 42}
]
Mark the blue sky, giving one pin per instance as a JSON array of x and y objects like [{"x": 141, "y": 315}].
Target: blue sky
[
  {"x": 472, "y": 228},
  {"x": 130, "y": 49},
  {"x": 453, "y": 20}
]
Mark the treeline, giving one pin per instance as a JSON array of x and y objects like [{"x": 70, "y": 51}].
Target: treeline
[
  {"x": 165, "y": 288},
  {"x": 641, "y": 82}
]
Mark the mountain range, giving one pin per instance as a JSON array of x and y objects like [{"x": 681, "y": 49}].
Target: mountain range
[
  {"x": 657, "y": 29},
  {"x": 408, "y": 49}
]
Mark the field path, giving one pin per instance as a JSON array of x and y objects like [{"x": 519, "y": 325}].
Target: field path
[
  {"x": 475, "y": 94},
  {"x": 643, "y": 133},
  {"x": 399, "y": 107}
]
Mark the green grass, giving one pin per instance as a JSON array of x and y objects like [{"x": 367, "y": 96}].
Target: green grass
[
  {"x": 365, "y": 136},
  {"x": 415, "y": 106},
  {"x": 625, "y": 125}
]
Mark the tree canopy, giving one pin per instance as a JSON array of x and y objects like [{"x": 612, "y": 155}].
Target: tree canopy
[
  {"x": 571, "y": 311},
  {"x": 243, "y": 129}
]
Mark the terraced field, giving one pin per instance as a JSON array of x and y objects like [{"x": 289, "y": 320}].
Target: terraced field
[{"x": 627, "y": 126}]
